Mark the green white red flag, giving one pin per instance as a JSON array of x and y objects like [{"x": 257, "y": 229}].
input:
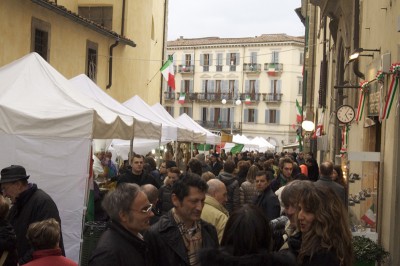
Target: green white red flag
[
  {"x": 369, "y": 217},
  {"x": 167, "y": 71},
  {"x": 299, "y": 111},
  {"x": 182, "y": 97},
  {"x": 390, "y": 98},
  {"x": 361, "y": 101},
  {"x": 247, "y": 99}
]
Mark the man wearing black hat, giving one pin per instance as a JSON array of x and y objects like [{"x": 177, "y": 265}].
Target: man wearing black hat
[{"x": 30, "y": 204}]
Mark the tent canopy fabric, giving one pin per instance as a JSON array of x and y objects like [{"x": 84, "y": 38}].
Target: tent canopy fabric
[
  {"x": 190, "y": 123},
  {"x": 169, "y": 130},
  {"x": 143, "y": 127},
  {"x": 32, "y": 99},
  {"x": 195, "y": 136}
]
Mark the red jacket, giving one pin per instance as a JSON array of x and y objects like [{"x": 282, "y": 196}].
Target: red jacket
[{"x": 50, "y": 257}]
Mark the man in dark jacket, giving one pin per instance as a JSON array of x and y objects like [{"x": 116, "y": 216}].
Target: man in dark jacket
[
  {"x": 216, "y": 165},
  {"x": 30, "y": 204},
  {"x": 138, "y": 175},
  {"x": 325, "y": 179},
  {"x": 122, "y": 244},
  {"x": 180, "y": 234},
  {"x": 267, "y": 200},
  {"x": 231, "y": 184}
]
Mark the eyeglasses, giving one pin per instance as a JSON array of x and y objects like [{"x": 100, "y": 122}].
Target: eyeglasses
[{"x": 146, "y": 209}]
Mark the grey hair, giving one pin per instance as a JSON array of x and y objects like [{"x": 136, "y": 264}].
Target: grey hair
[{"x": 120, "y": 200}]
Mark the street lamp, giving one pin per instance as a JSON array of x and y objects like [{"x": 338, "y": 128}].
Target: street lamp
[{"x": 237, "y": 102}]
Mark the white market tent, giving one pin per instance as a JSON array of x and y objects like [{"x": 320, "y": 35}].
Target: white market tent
[
  {"x": 263, "y": 144},
  {"x": 143, "y": 128},
  {"x": 48, "y": 129},
  {"x": 196, "y": 135},
  {"x": 190, "y": 123},
  {"x": 170, "y": 131}
]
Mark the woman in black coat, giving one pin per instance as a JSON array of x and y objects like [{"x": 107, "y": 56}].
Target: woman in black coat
[{"x": 247, "y": 240}]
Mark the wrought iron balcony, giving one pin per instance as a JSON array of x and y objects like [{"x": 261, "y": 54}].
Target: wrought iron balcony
[
  {"x": 186, "y": 69},
  {"x": 272, "y": 97},
  {"x": 253, "y": 97},
  {"x": 190, "y": 96},
  {"x": 221, "y": 125},
  {"x": 218, "y": 68},
  {"x": 251, "y": 68},
  {"x": 214, "y": 96},
  {"x": 169, "y": 96},
  {"x": 273, "y": 68}
]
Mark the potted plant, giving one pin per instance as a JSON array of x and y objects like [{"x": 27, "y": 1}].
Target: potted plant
[{"x": 367, "y": 252}]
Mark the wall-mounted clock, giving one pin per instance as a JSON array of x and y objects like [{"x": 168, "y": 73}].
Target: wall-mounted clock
[{"x": 345, "y": 114}]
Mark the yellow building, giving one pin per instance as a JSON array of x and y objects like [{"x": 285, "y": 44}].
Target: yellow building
[
  {"x": 118, "y": 44},
  {"x": 243, "y": 85},
  {"x": 369, "y": 145}
]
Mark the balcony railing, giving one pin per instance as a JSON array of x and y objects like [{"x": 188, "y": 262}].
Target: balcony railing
[
  {"x": 272, "y": 97},
  {"x": 218, "y": 68},
  {"x": 253, "y": 97},
  {"x": 251, "y": 68},
  {"x": 169, "y": 96},
  {"x": 232, "y": 68},
  {"x": 206, "y": 68},
  {"x": 273, "y": 68},
  {"x": 221, "y": 125},
  {"x": 215, "y": 96},
  {"x": 185, "y": 69}
]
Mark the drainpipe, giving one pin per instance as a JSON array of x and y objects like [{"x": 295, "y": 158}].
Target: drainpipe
[
  {"x": 110, "y": 61},
  {"x": 356, "y": 39},
  {"x": 163, "y": 47}
]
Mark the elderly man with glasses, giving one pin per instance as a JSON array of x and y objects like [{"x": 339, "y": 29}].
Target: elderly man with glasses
[{"x": 122, "y": 244}]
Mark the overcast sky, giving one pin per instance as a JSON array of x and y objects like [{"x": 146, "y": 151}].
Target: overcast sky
[{"x": 232, "y": 18}]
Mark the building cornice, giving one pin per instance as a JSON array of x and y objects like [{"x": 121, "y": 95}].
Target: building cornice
[
  {"x": 241, "y": 45},
  {"x": 61, "y": 10}
]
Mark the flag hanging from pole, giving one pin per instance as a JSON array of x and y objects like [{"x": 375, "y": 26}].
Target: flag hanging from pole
[
  {"x": 182, "y": 97},
  {"x": 298, "y": 112},
  {"x": 167, "y": 71},
  {"x": 320, "y": 125}
]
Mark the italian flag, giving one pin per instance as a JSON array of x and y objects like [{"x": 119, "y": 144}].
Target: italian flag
[
  {"x": 361, "y": 103},
  {"x": 247, "y": 100},
  {"x": 369, "y": 217},
  {"x": 298, "y": 112},
  {"x": 320, "y": 126},
  {"x": 390, "y": 98},
  {"x": 182, "y": 97},
  {"x": 167, "y": 71}
]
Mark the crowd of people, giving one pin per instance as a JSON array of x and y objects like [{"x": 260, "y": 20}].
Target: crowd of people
[{"x": 245, "y": 209}]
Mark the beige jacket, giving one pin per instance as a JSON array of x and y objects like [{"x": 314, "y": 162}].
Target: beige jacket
[{"x": 215, "y": 214}]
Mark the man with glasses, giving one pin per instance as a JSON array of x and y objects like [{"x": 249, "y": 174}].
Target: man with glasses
[
  {"x": 179, "y": 235},
  {"x": 30, "y": 204},
  {"x": 122, "y": 244}
]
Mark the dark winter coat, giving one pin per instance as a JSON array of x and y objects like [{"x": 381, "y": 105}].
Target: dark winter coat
[
  {"x": 322, "y": 257},
  {"x": 166, "y": 244},
  {"x": 164, "y": 199},
  {"x": 269, "y": 203},
  {"x": 222, "y": 256},
  {"x": 8, "y": 243},
  {"x": 142, "y": 179},
  {"x": 118, "y": 246},
  {"x": 232, "y": 188},
  {"x": 32, "y": 205}
]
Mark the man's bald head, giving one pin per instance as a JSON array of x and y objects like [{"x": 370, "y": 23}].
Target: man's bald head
[
  {"x": 151, "y": 193},
  {"x": 217, "y": 190},
  {"x": 326, "y": 169}
]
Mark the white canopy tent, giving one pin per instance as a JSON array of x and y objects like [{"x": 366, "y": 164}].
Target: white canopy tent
[
  {"x": 170, "y": 131},
  {"x": 48, "y": 128},
  {"x": 143, "y": 128},
  {"x": 190, "y": 123},
  {"x": 196, "y": 135},
  {"x": 263, "y": 144}
]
